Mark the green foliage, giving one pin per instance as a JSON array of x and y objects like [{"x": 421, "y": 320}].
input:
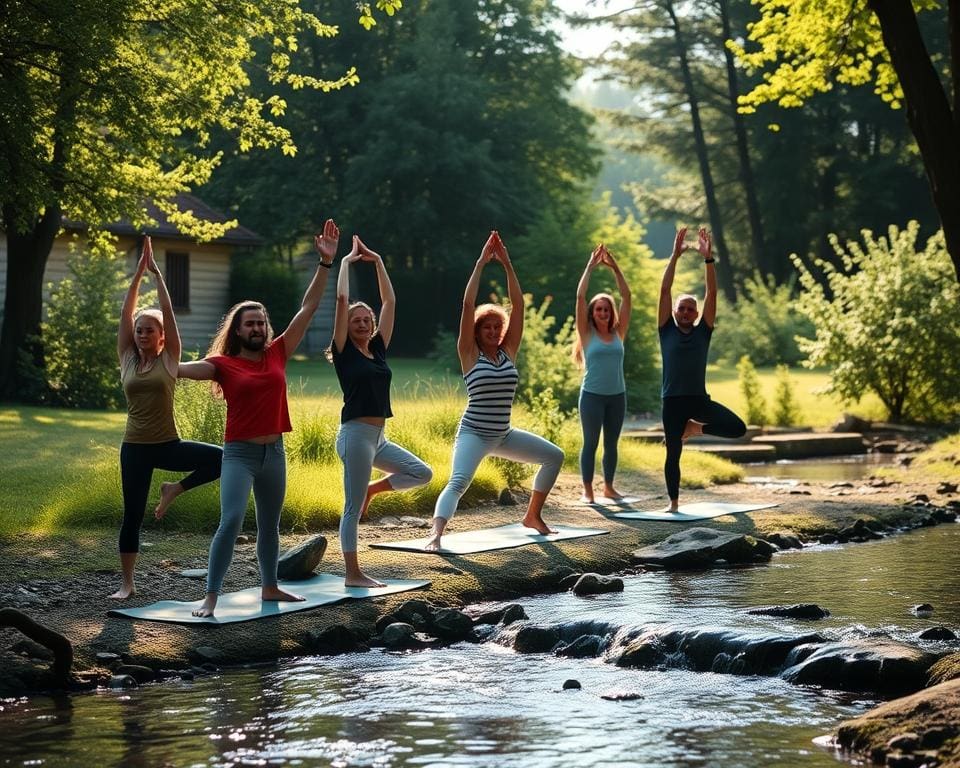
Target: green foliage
[
  {"x": 786, "y": 411},
  {"x": 314, "y": 440},
  {"x": 80, "y": 334},
  {"x": 890, "y": 325},
  {"x": 764, "y": 324},
  {"x": 544, "y": 357},
  {"x": 199, "y": 415},
  {"x": 750, "y": 389},
  {"x": 274, "y": 283}
]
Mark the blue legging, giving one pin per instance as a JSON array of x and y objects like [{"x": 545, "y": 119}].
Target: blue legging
[
  {"x": 137, "y": 462},
  {"x": 262, "y": 468},
  {"x": 361, "y": 447},
  {"x": 470, "y": 448},
  {"x": 600, "y": 412},
  {"x": 717, "y": 420}
]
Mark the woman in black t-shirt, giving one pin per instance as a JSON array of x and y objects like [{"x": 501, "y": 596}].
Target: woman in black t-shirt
[{"x": 359, "y": 354}]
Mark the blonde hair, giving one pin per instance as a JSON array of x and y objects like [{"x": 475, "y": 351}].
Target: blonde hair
[
  {"x": 328, "y": 352},
  {"x": 153, "y": 314},
  {"x": 577, "y": 351},
  {"x": 484, "y": 311}
]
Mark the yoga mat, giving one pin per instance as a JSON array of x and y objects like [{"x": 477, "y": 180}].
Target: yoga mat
[
  {"x": 245, "y": 605},
  {"x": 491, "y": 539},
  {"x": 624, "y": 501},
  {"x": 701, "y": 510}
]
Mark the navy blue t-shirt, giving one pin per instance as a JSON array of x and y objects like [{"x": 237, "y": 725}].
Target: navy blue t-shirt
[
  {"x": 684, "y": 359},
  {"x": 365, "y": 381}
]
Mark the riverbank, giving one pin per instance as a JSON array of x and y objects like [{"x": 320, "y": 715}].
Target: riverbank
[{"x": 63, "y": 582}]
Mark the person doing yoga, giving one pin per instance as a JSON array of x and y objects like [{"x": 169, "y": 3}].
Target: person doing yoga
[
  {"x": 248, "y": 366},
  {"x": 487, "y": 345},
  {"x": 687, "y": 409},
  {"x": 148, "y": 347},
  {"x": 359, "y": 355}
]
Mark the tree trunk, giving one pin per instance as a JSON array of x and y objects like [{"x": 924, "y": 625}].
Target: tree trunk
[
  {"x": 724, "y": 267},
  {"x": 27, "y": 255},
  {"x": 761, "y": 260},
  {"x": 933, "y": 123}
]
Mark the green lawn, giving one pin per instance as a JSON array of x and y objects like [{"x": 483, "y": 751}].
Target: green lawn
[{"x": 412, "y": 377}]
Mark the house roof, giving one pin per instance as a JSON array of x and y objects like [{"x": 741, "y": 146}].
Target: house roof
[{"x": 239, "y": 235}]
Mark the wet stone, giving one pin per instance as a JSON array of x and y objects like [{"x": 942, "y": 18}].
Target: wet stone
[
  {"x": 937, "y": 633},
  {"x": 123, "y": 681},
  {"x": 621, "y": 696},
  {"x": 138, "y": 672},
  {"x": 797, "y": 611},
  {"x": 571, "y": 685},
  {"x": 584, "y": 647},
  {"x": 923, "y": 609},
  {"x": 595, "y": 584},
  {"x": 451, "y": 624},
  {"x": 535, "y": 639}
]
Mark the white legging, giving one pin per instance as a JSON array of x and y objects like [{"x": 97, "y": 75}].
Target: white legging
[
  {"x": 361, "y": 447},
  {"x": 471, "y": 447}
]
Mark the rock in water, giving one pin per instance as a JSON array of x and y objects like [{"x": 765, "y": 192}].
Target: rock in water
[{"x": 702, "y": 547}]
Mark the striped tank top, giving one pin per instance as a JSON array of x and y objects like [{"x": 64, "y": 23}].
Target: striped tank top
[{"x": 490, "y": 390}]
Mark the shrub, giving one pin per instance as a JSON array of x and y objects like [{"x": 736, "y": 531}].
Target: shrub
[
  {"x": 786, "y": 411},
  {"x": 750, "y": 388},
  {"x": 891, "y": 324},
  {"x": 544, "y": 358},
  {"x": 199, "y": 415}
]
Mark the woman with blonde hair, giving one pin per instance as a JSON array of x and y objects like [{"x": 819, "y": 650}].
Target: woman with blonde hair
[
  {"x": 358, "y": 352},
  {"x": 148, "y": 347},
  {"x": 248, "y": 366},
  {"x": 487, "y": 345},
  {"x": 598, "y": 348}
]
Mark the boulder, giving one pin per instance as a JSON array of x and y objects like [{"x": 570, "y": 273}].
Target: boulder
[
  {"x": 937, "y": 633},
  {"x": 585, "y": 646},
  {"x": 595, "y": 584},
  {"x": 451, "y": 624},
  {"x": 621, "y": 695},
  {"x": 417, "y": 612},
  {"x": 702, "y": 547},
  {"x": 534, "y": 639},
  {"x": 571, "y": 685},
  {"x": 923, "y": 609},
  {"x": 505, "y": 615},
  {"x": 785, "y": 540},
  {"x": 123, "y": 681},
  {"x": 139, "y": 673},
  {"x": 506, "y": 499},
  {"x": 300, "y": 562},
  {"x": 399, "y": 635},
  {"x": 868, "y": 666},
  {"x": 205, "y": 654},
  {"x": 331, "y": 641},
  {"x": 797, "y": 611},
  {"x": 850, "y": 423}
]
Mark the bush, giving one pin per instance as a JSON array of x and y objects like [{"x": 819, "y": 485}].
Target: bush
[
  {"x": 198, "y": 414},
  {"x": 80, "y": 333},
  {"x": 544, "y": 358},
  {"x": 786, "y": 411},
  {"x": 750, "y": 388},
  {"x": 890, "y": 326},
  {"x": 764, "y": 324}
]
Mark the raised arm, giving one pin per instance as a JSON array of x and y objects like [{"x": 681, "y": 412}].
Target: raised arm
[
  {"x": 171, "y": 334},
  {"x": 326, "y": 245},
  {"x": 705, "y": 247},
  {"x": 583, "y": 287},
  {"x": 466, "y": 341},
  {"x": 514, "y": 334},
  {"x": 125, "y": 331},
  {"x": 388, "y": 299},
  {"x": 626, "y": 301},
  {"x": 666, "y": 283},
  {"x": 340, "y": 320}
]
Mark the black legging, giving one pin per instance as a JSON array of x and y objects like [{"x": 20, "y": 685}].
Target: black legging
[
  {"x": 717, "y": 420},
  {"x": 137, "y": 462}
]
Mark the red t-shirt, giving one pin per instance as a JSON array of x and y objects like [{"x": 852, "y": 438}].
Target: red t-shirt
[{"x": 255, "y": 391}]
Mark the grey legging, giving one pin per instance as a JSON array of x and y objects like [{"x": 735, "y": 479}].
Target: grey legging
[
  {"x": 264, "y": 469},
  {"x": 596, "y": 412},
  {"x": 471, "y": 447},
  {"x": 361, "y": 447}
]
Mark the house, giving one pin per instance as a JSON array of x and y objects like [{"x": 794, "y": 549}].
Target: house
[{"x": 197, "y": 274}]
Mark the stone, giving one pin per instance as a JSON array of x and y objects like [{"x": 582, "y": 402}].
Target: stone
[
  {"x": 205, "y": 654},
  {"x": 797, "y": 611},
  {"x": 924, "y": 609},
  {"x": 505, "y": 615},
  {"x": 414, "y": 522},
  {"x": 785, "y": 540},
  {"x": 850, "y": 423},
  {"x": 331, "y": 641},
  {"x": 418, "y": 613},
  {"x": 399, "y": 635},
  {"x": 105, "y": 657},
  {"x": 385, "y": 621},
  {"x": 199, "y": 574},
  {"x": 138, "y": 672},
  {"x": 244, "y": 538},
  {"x": 937, "y": 633},
  {"x": 584, "y": 647},
  {"x": 551, "y": 578},
  {"x": 506, "y": 498},
  {"x": 567, "y": 582},
  {"x": 571, "y": 685},
  {"x": 533, "y": 639},
  {"x": 702, "y": 547},
  {"x": 828, "y": 538},
  {"x": 886, "y": 446},
  {"x": 512, "y": 613},
  {"x": 122, "y": 681},
  {"x": 300, "y": 562},
  {"x": 904, "y": 742},
  {"x": 946, "y": 487},
  {"x": 621, "y": 696},
  {"x": 451, "y": 624},
  {"x": 32, "y": 650},
  {"x": 595, "y": 584}
]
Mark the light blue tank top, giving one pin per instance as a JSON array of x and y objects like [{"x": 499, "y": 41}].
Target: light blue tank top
[{"x": 604, "y": 366}]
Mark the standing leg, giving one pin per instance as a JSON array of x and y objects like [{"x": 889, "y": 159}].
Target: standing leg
[
  {"x": 469, "y": 449},
  {"x": 356, "y": 446},
  {"x": 201, "y": 460},
  {"x": 527, "y": 447},
  {"x": 614, "y": 411},
  {"x": 135, "y": 473},
  {"x": 675, "y": 417},
  {"x": 591, "y": 419},
  {"x": 269, "y": 490}
]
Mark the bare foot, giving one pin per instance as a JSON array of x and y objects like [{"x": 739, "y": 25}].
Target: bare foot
[
  {"x": 362, "y": 580},
  {"x": 692, "y": 429},
  {"x": 610, "y": 492},
  {"x": 586, "y": 499},
  {"x": 124, "y": 592},
  {"x": 168, "y": 492},
  {"x": 275, "y": 593},
  {"x": 433, "y": 544},
  {"x": 536, "y": 522},
  {"x": 207, "y": 609}
]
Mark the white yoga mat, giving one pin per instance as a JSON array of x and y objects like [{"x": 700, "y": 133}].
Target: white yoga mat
[
  {"x": 245, "y": 605},
  {"x": 701, "y": 510},
  {"x": 491, "y": 539},
  {"x": 623, "y": 501}
]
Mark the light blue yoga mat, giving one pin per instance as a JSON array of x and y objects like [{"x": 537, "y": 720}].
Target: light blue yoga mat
[
  {"x": 701, "y": 510},
  {"x": 491, "y": 539},
  {"x": 623, "y": 501},
  {"x": 245, "y": 605}
]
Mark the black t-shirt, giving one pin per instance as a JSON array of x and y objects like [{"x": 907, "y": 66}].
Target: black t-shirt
[
  {"x": 684, "y": 358},
  {"x": 365, "y": 381}
]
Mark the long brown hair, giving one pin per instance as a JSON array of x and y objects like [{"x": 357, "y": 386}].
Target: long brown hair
[
  {"x": 226, "y": 341},
  {"x": 577, "y": 352}
]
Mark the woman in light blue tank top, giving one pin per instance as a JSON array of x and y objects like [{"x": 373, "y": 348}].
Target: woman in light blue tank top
[{"x": 598, "y": 348}]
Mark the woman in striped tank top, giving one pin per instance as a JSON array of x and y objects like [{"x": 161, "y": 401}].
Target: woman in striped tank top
[{"x": 487, "y": 346}]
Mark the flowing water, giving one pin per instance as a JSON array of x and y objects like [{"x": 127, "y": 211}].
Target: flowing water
[
  {"x": 851, "y": 468},
  {"x": 485, "y": 705}
]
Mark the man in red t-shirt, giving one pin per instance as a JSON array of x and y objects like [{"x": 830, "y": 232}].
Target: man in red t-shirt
[{"x": 248, "y": 367}]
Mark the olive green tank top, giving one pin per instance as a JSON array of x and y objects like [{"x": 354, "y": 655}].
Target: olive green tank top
[{"x": 149, "y": 401}]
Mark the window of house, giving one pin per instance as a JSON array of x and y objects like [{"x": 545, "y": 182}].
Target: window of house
[{"x": 178, "y": 279}]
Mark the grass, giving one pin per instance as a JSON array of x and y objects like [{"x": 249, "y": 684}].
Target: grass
[{"x": 939, "y": 463}]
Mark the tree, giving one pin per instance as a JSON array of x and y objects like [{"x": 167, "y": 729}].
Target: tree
[
  {"x": 804, "y": 47},
  {"x": 890, "y": 326},
  {"x": 107, "y": 104}
]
